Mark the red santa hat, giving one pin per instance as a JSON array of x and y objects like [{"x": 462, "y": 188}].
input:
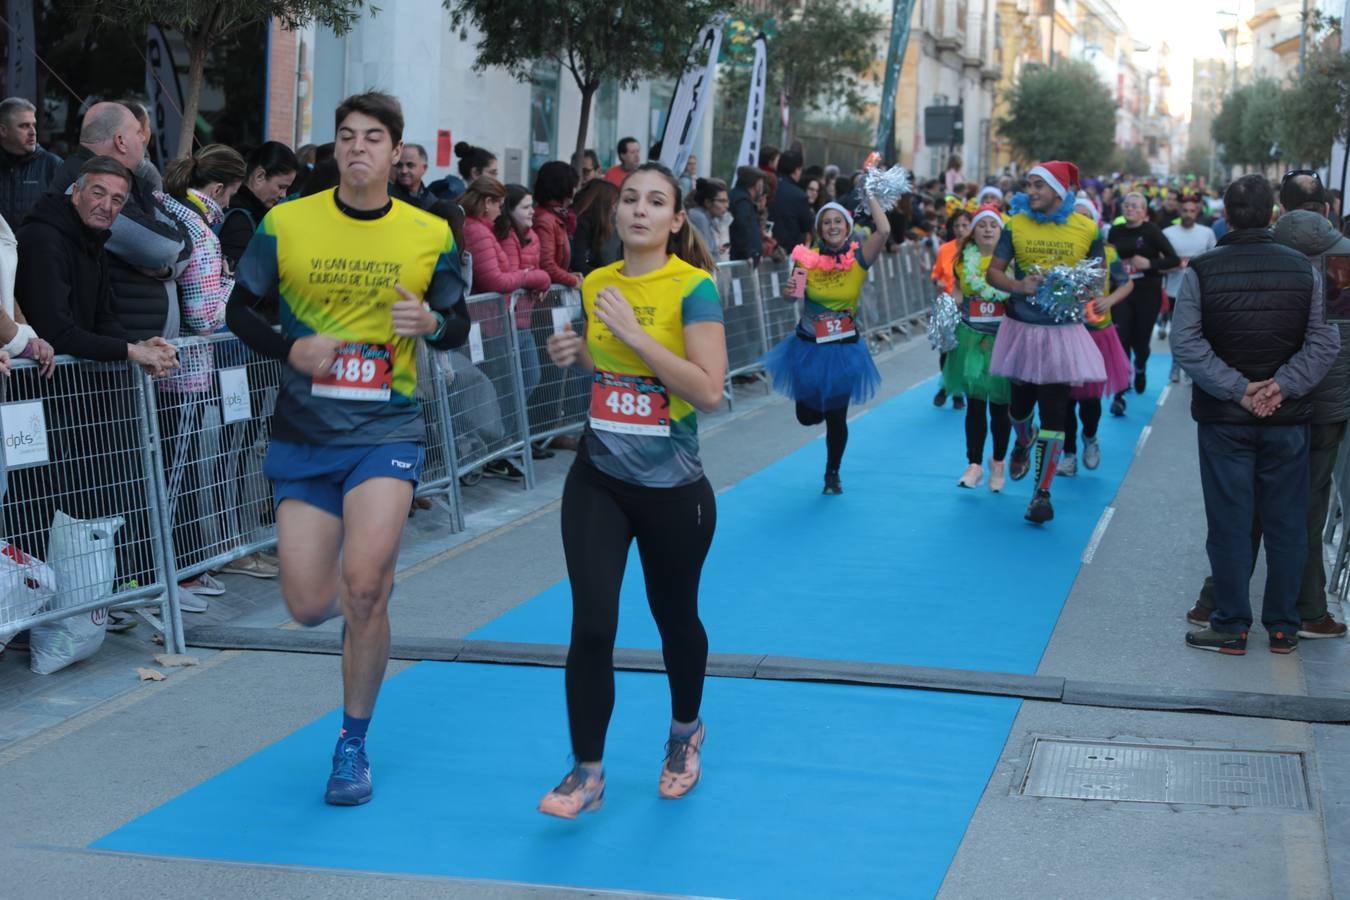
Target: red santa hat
[
  {"x": 1061, "y": 176},
  {"x": 988, "y": 211}
]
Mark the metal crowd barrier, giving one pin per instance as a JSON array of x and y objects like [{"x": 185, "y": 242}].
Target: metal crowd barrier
[
  {"x": 557, "y": 402},
  {"x": 486, "y": 393},
  {"x": 212, "y": 426},
  {"x": 1337, "y": 513},
  {"x": 82, "y": 514}
]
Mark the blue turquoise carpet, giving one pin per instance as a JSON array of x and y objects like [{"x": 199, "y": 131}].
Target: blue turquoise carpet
[
  {"x": 811, "y": 790},
  {"x": 881, "y": 572}
]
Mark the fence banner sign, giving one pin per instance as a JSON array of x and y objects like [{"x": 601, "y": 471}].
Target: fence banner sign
[
  {"x": 25, "y": 427},
  {"x": 691, "y": 96},
  {"x": 234, "y": 399},
  {"x": 166, "y": 97},
  {"x": 753, "y": 135}
]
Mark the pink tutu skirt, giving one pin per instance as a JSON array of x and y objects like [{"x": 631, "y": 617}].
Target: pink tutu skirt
[
  {"x": 1118, "y": 370},
  {"x": 1046, "y": 354}
]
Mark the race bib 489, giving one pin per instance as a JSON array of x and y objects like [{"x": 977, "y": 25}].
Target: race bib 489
[{"x": 358, "y": 372}]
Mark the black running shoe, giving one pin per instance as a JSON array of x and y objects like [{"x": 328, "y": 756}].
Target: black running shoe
[
  {"x": 1226, "y": 642},
  {"x": 1140, "y": 382},
  {"x": 832, "y": 485},
  {"x": 1118, "y": 406},
  {"x": 958, "y": 402},
  {"x": 1039, "y": 510},
  {"x": 940, "y": 398},
  {"x": 503, "y": 468},
  {"x": 1283, "y": 641},
  {"x": 1019, "y": 461}
]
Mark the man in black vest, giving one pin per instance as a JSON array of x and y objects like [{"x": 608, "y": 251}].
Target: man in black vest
[
  {"x": 1305, "y": 227},
  {"x": 1249, "y": 328}
]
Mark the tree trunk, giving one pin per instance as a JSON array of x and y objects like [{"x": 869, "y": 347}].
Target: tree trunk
[
  {"x": 197, "y": 49},
  {"x": 587, "y": 94}
]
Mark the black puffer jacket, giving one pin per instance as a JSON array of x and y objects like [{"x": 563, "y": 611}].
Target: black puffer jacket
[
  {"x": 23, "y": 179},
  {"x": 1255, "y": 296},
  {"x": 62, "y": 283},
  {"x": 1313, "y": 236},
  {"x": 246, "y": 211}
]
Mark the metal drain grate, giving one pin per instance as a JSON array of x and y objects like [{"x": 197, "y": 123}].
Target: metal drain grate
[{"x": 1101, "y": 770}]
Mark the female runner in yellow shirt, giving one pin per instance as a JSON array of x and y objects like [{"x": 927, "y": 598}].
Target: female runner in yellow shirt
[
  {"x": 655, "y": 343},
  {"x": 824, "y": 366}
]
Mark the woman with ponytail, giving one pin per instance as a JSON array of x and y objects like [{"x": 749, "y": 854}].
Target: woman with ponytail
[
  {"x": 824, "y": 366},
  {"x": 657, "y": 350},
  {"x": 196, "y": 191}
]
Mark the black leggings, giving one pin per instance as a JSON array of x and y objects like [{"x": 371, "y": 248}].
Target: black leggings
[
  {"x": 976, "y": 428},
  {"x": 1053, "y": 400},
  {"x": 1135, "y": 317},
  {"x": 836, "y": 431},
  {"x": 1090, "y": 412},
  {"x": 674, "y": 528}
]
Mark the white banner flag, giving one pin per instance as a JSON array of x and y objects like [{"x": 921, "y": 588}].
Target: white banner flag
[
  {"x": 691, "y": 97},
  {"x": 21, "y": 77},
  {"x": 166, "y": 97},
  {"x": 753, "y": 135}
]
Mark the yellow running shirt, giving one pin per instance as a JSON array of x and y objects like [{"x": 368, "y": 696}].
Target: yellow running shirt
[
  {"x": 1028, "y": 244},
  {"x": 335, "y": 274},
  {"x": 638, "y": 432}
]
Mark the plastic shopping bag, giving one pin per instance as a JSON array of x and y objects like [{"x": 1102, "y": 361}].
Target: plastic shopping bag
[
  {"x": 83, "y": 554},
  {"x": 26, "y": 586}
]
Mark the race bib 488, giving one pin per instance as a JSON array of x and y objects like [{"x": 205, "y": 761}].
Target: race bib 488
[{"x": 629, "y": 404}]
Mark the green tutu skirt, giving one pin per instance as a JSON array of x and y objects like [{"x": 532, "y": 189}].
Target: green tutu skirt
[{"x": 966, "y": 370}]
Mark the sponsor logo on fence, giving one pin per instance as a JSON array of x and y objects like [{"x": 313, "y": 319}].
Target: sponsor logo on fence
[{"x": 25, "y": 428}]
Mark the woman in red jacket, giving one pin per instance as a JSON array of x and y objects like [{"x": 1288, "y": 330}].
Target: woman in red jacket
[
  {"x": 554, "y": 223},
  {"x": 493, "y": 270},
  {"x": 521, "y": 248}
]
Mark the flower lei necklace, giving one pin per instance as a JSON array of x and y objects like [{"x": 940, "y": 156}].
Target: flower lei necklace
[
  {"x": 824, "y": 260},
  {"x": 970, "y": 258}
]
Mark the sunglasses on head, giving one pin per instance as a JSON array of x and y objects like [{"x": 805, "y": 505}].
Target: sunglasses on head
[
  {"x": 1191, "y": 198},
  {"x": 1297, "y": 172}
]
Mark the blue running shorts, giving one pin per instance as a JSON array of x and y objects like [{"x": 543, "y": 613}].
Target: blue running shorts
[{"x": 322, "y": 476}]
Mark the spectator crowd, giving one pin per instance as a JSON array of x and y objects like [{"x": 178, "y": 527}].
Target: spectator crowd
[{"x": 105, "y": 258}]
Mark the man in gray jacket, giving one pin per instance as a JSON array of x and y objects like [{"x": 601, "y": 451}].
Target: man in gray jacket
[
  {"x": 1306, "y": 228},
  {"x": 148, "y": 248}
]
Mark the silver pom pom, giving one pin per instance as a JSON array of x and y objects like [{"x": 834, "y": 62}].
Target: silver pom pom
[
  {"x": 886, "y": 186},
  {"x": 1066, "y": 290},
  {"x": 942, "y": 321}
]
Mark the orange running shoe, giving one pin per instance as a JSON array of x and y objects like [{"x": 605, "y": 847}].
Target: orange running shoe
[
  {"x": 683, "y": 764},
  {"x": 579, "y": 792}
]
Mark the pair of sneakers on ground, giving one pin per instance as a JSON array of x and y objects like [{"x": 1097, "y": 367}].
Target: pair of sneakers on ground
[
  {"x": 1235, "y": 644},
  {"x": 582, "y": 790},
  {"x": 192, "y": 593}
]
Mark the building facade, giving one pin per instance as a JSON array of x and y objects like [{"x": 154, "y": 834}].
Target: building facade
[
  {"x": 411, "y": 50},
  {"x": 950, "y": 62}
]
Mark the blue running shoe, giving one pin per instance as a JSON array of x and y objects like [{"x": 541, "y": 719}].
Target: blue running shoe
[{"x": 350, "y": 784}]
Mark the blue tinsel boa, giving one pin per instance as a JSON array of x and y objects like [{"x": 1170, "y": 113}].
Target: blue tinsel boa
[{"x": 1022, "y": 204}]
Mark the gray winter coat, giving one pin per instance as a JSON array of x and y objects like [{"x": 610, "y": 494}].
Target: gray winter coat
[{"x": 1313, "y": 235}]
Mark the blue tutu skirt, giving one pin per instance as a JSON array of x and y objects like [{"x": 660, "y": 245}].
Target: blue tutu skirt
[{"x": 823, "y": 376}]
